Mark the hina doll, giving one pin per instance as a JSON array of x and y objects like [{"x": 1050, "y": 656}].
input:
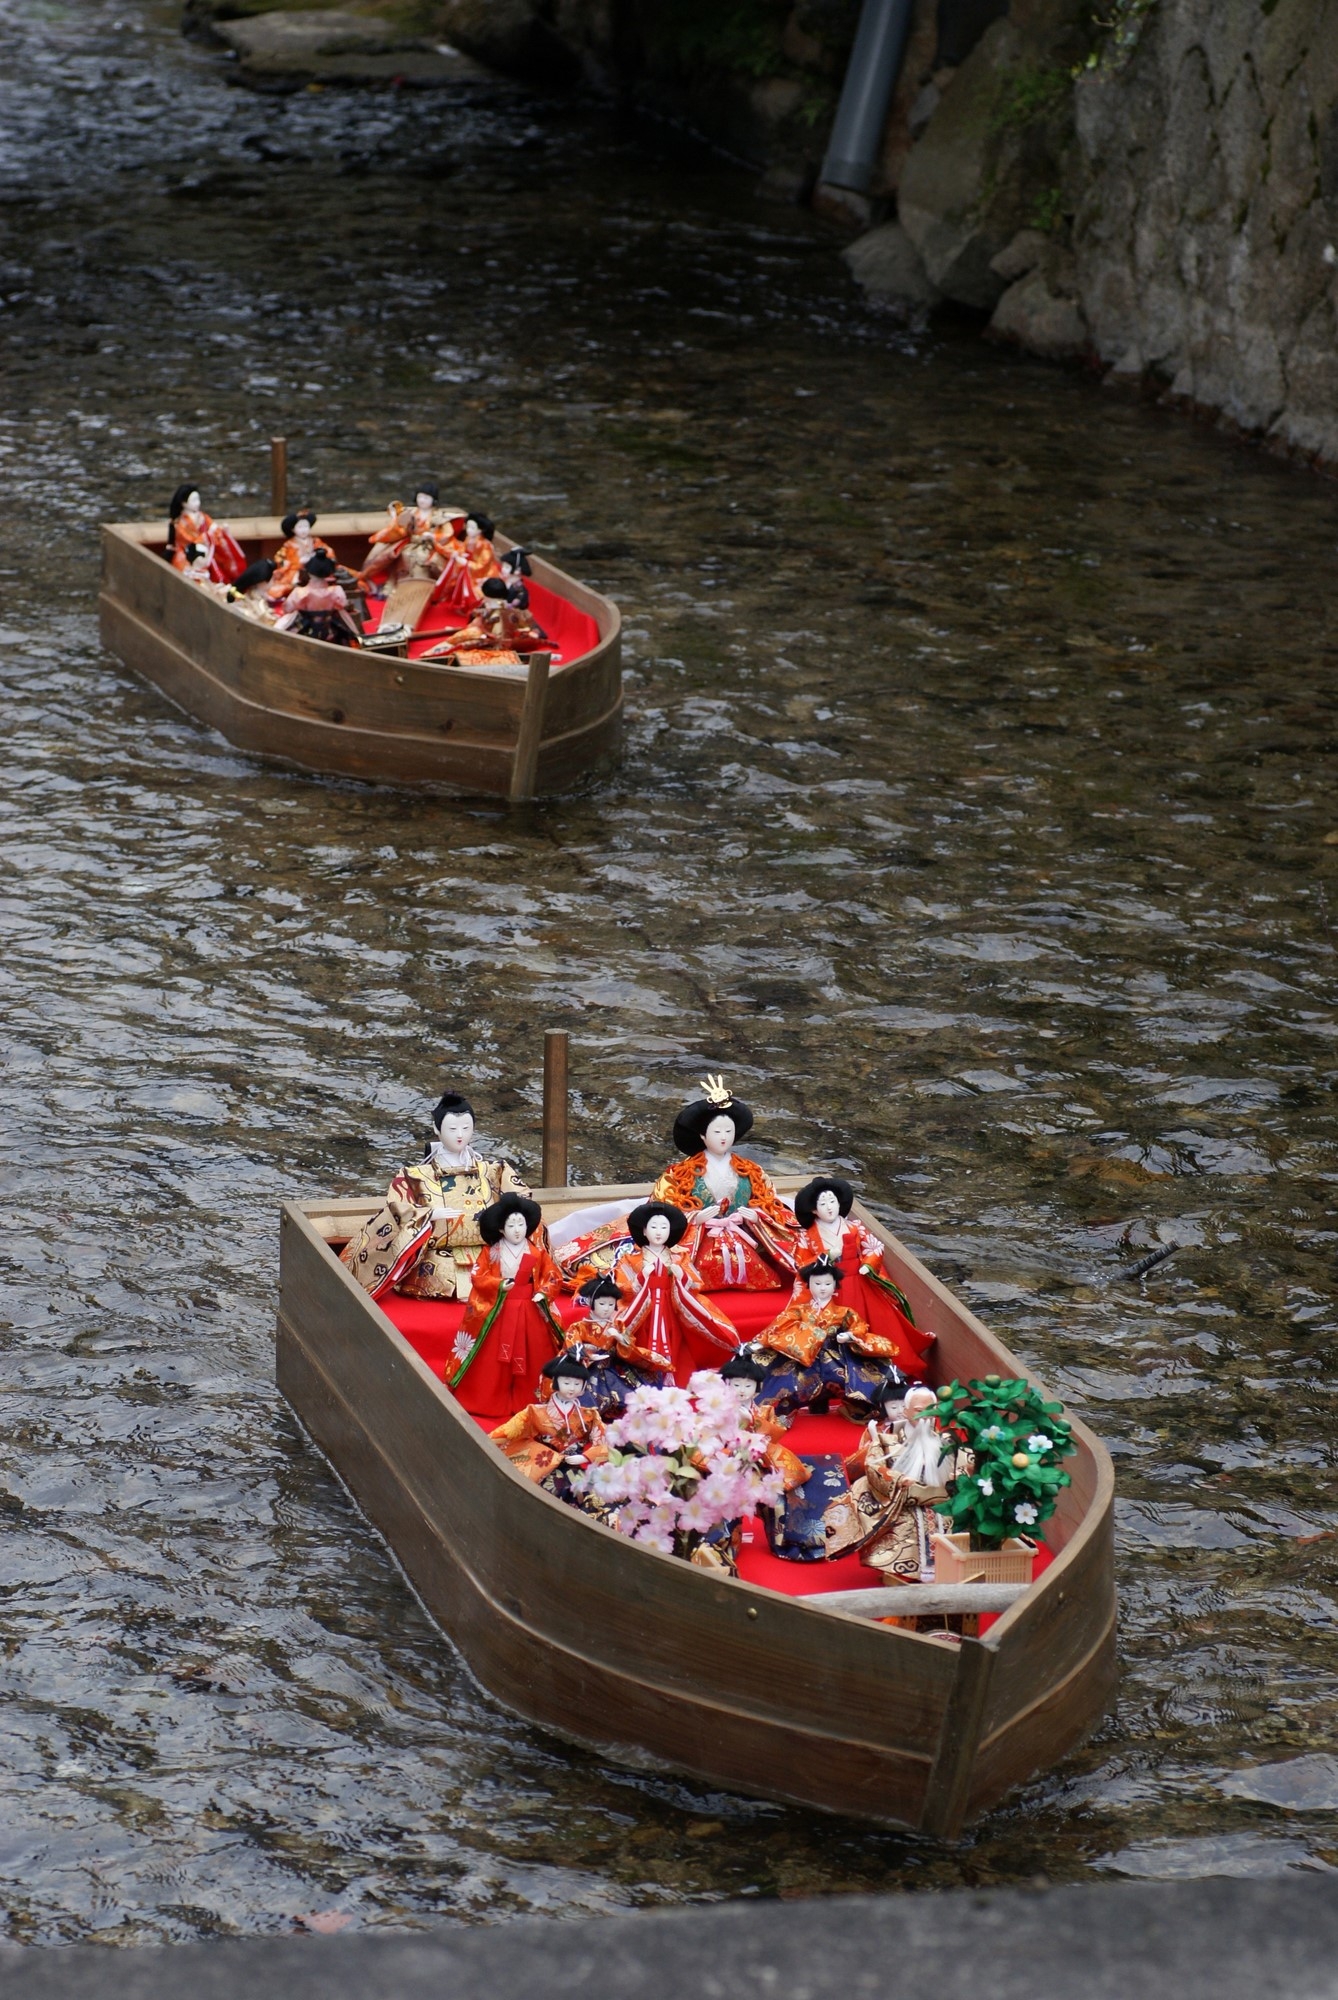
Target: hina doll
[
  {"x": 614, "y": 1364},
  {"x": 248, "y": 594},
  {"x": 189, "y": 526},
  {"x": 899, "y": 1477},
  {"x": 661, "y": 1303},
  {"x": 319, "y": 609},
  {"x": 294, "y": 553},
  {"x": 742, "y": 1233},
  {"x": 549, "y": 1440},
  {"x": 748, "y": 1373},
  {"x": 424, "y": 1240},
  {"x": 509, "y": 1330},
  {"x": 855, "y": 1364},
  {"x": 416, "y": 541},
  {"x": 827, "y": 1229},
  {"x": 473, "y": 563},
  {"x": 498, "y": 624}
]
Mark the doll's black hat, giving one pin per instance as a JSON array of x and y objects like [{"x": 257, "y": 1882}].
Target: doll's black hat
[
  {"x": 566, "y": 1363},
  {"x": 806, "y": 1201},
  {"x": 484, "y": 523},
  {"x": 745, "y": 1367},
  {"x": 516, "y": 560},
  {"x": 491, "y": 1219},
  {"x": 288, "y": 524},
  {"x": 598, "y": 1288},
  {"x": 641, "y": 1215},
  {"x": 452, "y": 1103},
  {"x": 692, "y": 1121},
  {"x": 430, "y": 487},
  {"x": 821, "y": 1267},
  {"x": 321, "y": 566},
  {"x": 493, "y": 586}
]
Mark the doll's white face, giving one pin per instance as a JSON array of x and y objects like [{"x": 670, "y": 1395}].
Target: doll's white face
[
  {"x": 828, "y": 1207},
  {"x": 567, "y": 1388},
  {"x": 424, "y": 503},
  {"x": 718, "y": 1138},
  {"x": 192, "y": 503},
  {"x": 514, "y": 1230},
  {"x": 746, "y": 1390},
  {"x": 917, "y": 1401},
  {"x": 822, "y": 1288},
  {"x": 472, "y": 531},
  {"x": 303, "y": 530},
  {"x": 603, "y": 1309},
  {"x": 657, "y": 1232},
  {"x": 456, "y": 1130}
]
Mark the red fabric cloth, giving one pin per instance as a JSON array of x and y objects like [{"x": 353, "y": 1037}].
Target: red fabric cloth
[{"x": 572, "y": 632}]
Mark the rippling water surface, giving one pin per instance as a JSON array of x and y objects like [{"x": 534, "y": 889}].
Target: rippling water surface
[{"x": 976, "y": 819}]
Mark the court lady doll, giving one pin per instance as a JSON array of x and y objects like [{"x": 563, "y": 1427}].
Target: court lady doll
[
  {"x": 661, "y": 1306},
  {"x": 741, "y": 1233},
  {"x": 509, "y": 1329},
  {"x": 189, "y": 526},
  {"x": 550, "y": 1439},
  {"x": 424, "y": 1240},
  {"x": 827, "y": 1229},
  {"x": 300, "y": 543},
  {"x": 416, "y": 541}
]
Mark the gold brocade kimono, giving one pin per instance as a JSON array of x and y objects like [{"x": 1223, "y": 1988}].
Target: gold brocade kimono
[
  {"x": 401, "y": 1249},
  {"x": 800, "y": 1331},
  {"x": 889, "y": 1518},
  {"x": 537, "y": 1438}
]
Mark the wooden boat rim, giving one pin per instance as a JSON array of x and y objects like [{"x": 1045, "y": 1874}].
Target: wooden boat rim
[
  {"x": 565, "y": 1199},
  {"x": 268, "y": 527}
]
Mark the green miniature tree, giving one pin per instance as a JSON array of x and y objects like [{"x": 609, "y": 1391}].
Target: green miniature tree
[{"x": 1017, "y": 1439}]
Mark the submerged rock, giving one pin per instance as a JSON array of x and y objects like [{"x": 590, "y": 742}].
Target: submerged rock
[
  {"x": 338, "y": 46},
  {"x": 1040, "y": 320},
  {"x": 890, "y": 268}
]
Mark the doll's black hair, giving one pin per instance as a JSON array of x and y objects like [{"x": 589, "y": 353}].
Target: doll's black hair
[
  {"x": 821, "y": 1267},
  {"x": 485, "y": 526},
  {"x": 806, "y": 1201},
  {"x": 566, "y": 1363},
  {"x": 453, "y": 1104},
  {"x": 597, "y": 1288},
  {"x": 516, "y": 560},
  {"x": 430, "y": 487},
  {"x": 643, "y": 1213},
  {"x": 489, "y": 1221},
  {"x": 260, "y": 571},
  {"x": 174, "y": 507},
  {"x": 494, "y": 587},
  {"x": 321, "y": 566},
  {"x": 288, "y": 524}
]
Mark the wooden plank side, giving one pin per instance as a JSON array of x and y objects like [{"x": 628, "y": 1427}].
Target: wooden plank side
[
  {"x": 560, "y": 1687},
  {"x": 1047, "y": 1728},
  {"x": 666, "y": 1622}
]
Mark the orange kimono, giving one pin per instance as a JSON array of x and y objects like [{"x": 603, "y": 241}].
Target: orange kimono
[
  {"x": 496, "y": 624},
  {"x": 662, "y": 1308},
  {"x": 780, "y": 1458},
  {"x": 410, "y": 544},
  {"x": 801, "y": 1331},
  {"x": 867, "y": 1290},
  {"x": 751, "y": 1256},
  {"x": 227, "y": 559},
  {"x": 539, "y": 1437},
  {"x": 508, "y": 1331},
  {"x": 288, "y": 564}
]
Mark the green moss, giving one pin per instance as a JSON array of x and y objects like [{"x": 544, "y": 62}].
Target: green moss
[
  {"x": 740, "y": 36},
  {"x": 1032, "y": 94},
  {"x": 1048, "y": 212}
]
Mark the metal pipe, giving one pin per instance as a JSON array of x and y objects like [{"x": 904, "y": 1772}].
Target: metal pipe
[
  {"x": 555, "y": 1108},
  {"x": 278, "y": 476},
  {"x": 880, "y": 43}
]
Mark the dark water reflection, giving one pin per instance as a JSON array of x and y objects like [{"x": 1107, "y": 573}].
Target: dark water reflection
[{"x": 973, "y": 820}]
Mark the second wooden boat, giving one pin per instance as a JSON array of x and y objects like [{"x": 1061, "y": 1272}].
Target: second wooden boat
[
  {"x": 505, "y": 732},
  {"x": 803, "y": 1698}
]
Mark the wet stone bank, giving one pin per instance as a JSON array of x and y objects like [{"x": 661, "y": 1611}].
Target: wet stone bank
[{"x": 974, "y": 819}]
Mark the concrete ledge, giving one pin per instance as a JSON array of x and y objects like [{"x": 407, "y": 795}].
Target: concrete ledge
[{"x": 1228, "y": 1939}]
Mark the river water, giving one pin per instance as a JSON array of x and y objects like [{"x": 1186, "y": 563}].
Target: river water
[{"x": 976, "y": 820}]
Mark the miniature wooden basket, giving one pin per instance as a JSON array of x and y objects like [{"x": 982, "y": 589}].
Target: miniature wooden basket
[{"x": 955, "y": 1561}]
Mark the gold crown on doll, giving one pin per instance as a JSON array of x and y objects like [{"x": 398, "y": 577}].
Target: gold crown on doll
[{"x": 715, "y": 1090}]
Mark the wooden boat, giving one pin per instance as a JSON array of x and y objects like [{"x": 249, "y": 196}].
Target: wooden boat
[
  {"x": 799, "y": 1698},
  {"x": 507, "y": 732}
]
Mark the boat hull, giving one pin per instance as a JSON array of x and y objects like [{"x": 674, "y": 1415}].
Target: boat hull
[
  {"x": 558, "y": 1617},
  {"x": 336, "y": 711}
]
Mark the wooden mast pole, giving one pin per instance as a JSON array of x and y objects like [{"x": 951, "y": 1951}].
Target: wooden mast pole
[
  {"x": 278, "y": 476},
  {"x": 555, "y": 1108}
]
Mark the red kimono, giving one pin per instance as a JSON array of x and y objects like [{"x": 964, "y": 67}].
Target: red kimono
[
  {"x": 754, "y": 1256},
  {"x": 227, "y": 559},
  {"x": 866, "y": 1290},
  {"x": 507, "y": 1335},
  {"x": 662, "y": 1309}
]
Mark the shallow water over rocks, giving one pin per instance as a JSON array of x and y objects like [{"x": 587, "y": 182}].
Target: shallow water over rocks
[{"x": 973, "y": 820}]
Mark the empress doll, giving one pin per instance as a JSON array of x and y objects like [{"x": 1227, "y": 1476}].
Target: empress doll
[
  {"x": 827, "y": 1229},
  {"x": 425, "y": 1238},
  {"x": 189, "y": 526},
  {"x": 661, "y": 1306},
  {"x": 509, "y": 1331},
  {"x": 741, "y": 1232}
]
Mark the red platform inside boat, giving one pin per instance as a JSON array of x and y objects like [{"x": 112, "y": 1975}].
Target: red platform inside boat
[{"x": 572, "y": 632}]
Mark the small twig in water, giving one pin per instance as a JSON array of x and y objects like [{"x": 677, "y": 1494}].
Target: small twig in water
[{"x": 1146, "y": 1264}]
